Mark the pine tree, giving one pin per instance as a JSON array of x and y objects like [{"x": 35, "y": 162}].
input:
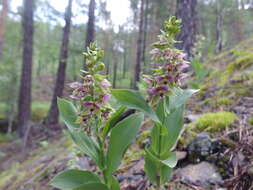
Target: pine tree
[
  {"x": 186, "y": 10},
  {"x": 24, "y": 101},
  {"x": 3, "y": 16},
  {"x": 53, "y": 114}
]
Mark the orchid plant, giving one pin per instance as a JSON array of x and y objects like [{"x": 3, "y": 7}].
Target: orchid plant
[
  {"x": 95, "y": 128},
  {"x": 163, "y": 102}
]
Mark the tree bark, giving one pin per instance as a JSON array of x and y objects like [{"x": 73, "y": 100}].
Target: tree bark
[
  {"x": 115, "y": 68},
  {"x": 218, "y": 27},
  {"x": 90, "y": 33},
  {"x": 238, "y": 24},
  {"x": 137, "y": 70},
  {"x": 143, "y": 59},
  {"x": 125, "y": 60},
  {"x": 3, "y": 16},
  {"x": 186, "y": 10},
  {"x": 24, "y": 102},
  {"x": 53, "y": 114}
]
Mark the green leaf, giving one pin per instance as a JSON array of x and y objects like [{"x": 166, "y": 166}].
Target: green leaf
[
  {"x": 155, "y": 169},
  {"x": 174, "y": 124},
  {"x": 171, "y": 160},
  {"x": 71, "y": 179},
  {"x": 92, "y": 186},
  {"x": 159, "y": 139},
  {"x": 161, "y": 111},
  {"x": 166, "y": 173},
  {"x": 134, "y": 100},
  {"x": 68, "y": 113},
  {"x": 121, "y": 137},
  {"x": 113, "y": 120},
  {"x": 86, "y": 144},
  {"x": 151, "y": 169},
  {"x": 114, "y": 184},
  {"x": 179, "y": 98}
]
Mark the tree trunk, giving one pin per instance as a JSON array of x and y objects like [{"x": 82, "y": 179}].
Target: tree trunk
[
  {"x": 53, "y": 114},
  {"x": 90, "y": 33},
  {"x": 115, "y": 68},
  {"x": 137, "y": 70},
  {"x": 237, "y": 24},
  {"x": 3, "y": 16},
  {"x": 218, "y": 27},
  {"x": 145, "y": 34},
  {"x": 24, "y": 102},
  {"x": 125, "y": 60},
  {"x": 186, "y": 10}
]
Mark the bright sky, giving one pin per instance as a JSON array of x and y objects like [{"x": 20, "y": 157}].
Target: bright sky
[{"x": 120, "y": 9}]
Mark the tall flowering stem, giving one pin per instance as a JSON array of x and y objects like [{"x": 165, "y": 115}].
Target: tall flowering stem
[
  {"x": 95, "y": 128},
  {"x": 164, "y": 103},
  {"x": 169, "y": 63},
  {"x": 93, "y": 93}
]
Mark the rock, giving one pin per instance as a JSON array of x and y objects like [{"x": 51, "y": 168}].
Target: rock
[
  {"x": 83, "y": 163},
  {"x": 203, "y": 174},
  {"x": 200, "y": 147},
  {"x": 191, "y": 118},
  {"x": 250, "y": 170},
  {"x": 181, "y": 155},
  {"x": 240, "y": 109}
]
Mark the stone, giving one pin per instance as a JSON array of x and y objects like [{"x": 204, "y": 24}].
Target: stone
[
  {"x": 200, "y": 147},
  {"x": 240, "y": 109},
  {"x": 203, "y": 174},
  {"x": 181, "y": 155},
  {"x": 191, "y": 118}
]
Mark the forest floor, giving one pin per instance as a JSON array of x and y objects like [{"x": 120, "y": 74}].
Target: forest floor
[{"x": 214, "y": 152}]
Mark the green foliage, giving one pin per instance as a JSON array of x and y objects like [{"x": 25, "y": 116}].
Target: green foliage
[
  {"x": 68, "y": 113},
  {"x": 86, "y": 144},
  {"x": 73, "y": 179},
  {"x": 134, "y": 100},
  {"x": 200, "y": 73},
  {"x": 251, "y": 121},
  {"x": 165, "y": 105},
  {"x": 91, "y": 126},
  {"x": 215, "y": 121},
  {"x": 113, "y": 120},
  {"x": 121, "y": 137}
]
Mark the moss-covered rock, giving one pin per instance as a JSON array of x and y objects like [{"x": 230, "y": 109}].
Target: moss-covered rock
[
  {"x": 214, "y": 122},
  {"x": 232, "y": 74}
]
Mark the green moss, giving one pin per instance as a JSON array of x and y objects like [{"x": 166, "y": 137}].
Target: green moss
[
  {"x": 143, "y": 136},
  {"x": 2, "y": 110},
  {"x": 224, "y": 101},
  {"x": 5, "y": 139},
  {"x": 38, "y": 167},
  {"x": 132, "y": 156},
  {"x": 187, "y": 136},
  {"x": 251, "y": 121},
  {"x": 239, "y": 64},
  {"x": 214, "y": 121},
  {"x": 39, "y": 110},
  {"x": 243, "y": 91}
]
